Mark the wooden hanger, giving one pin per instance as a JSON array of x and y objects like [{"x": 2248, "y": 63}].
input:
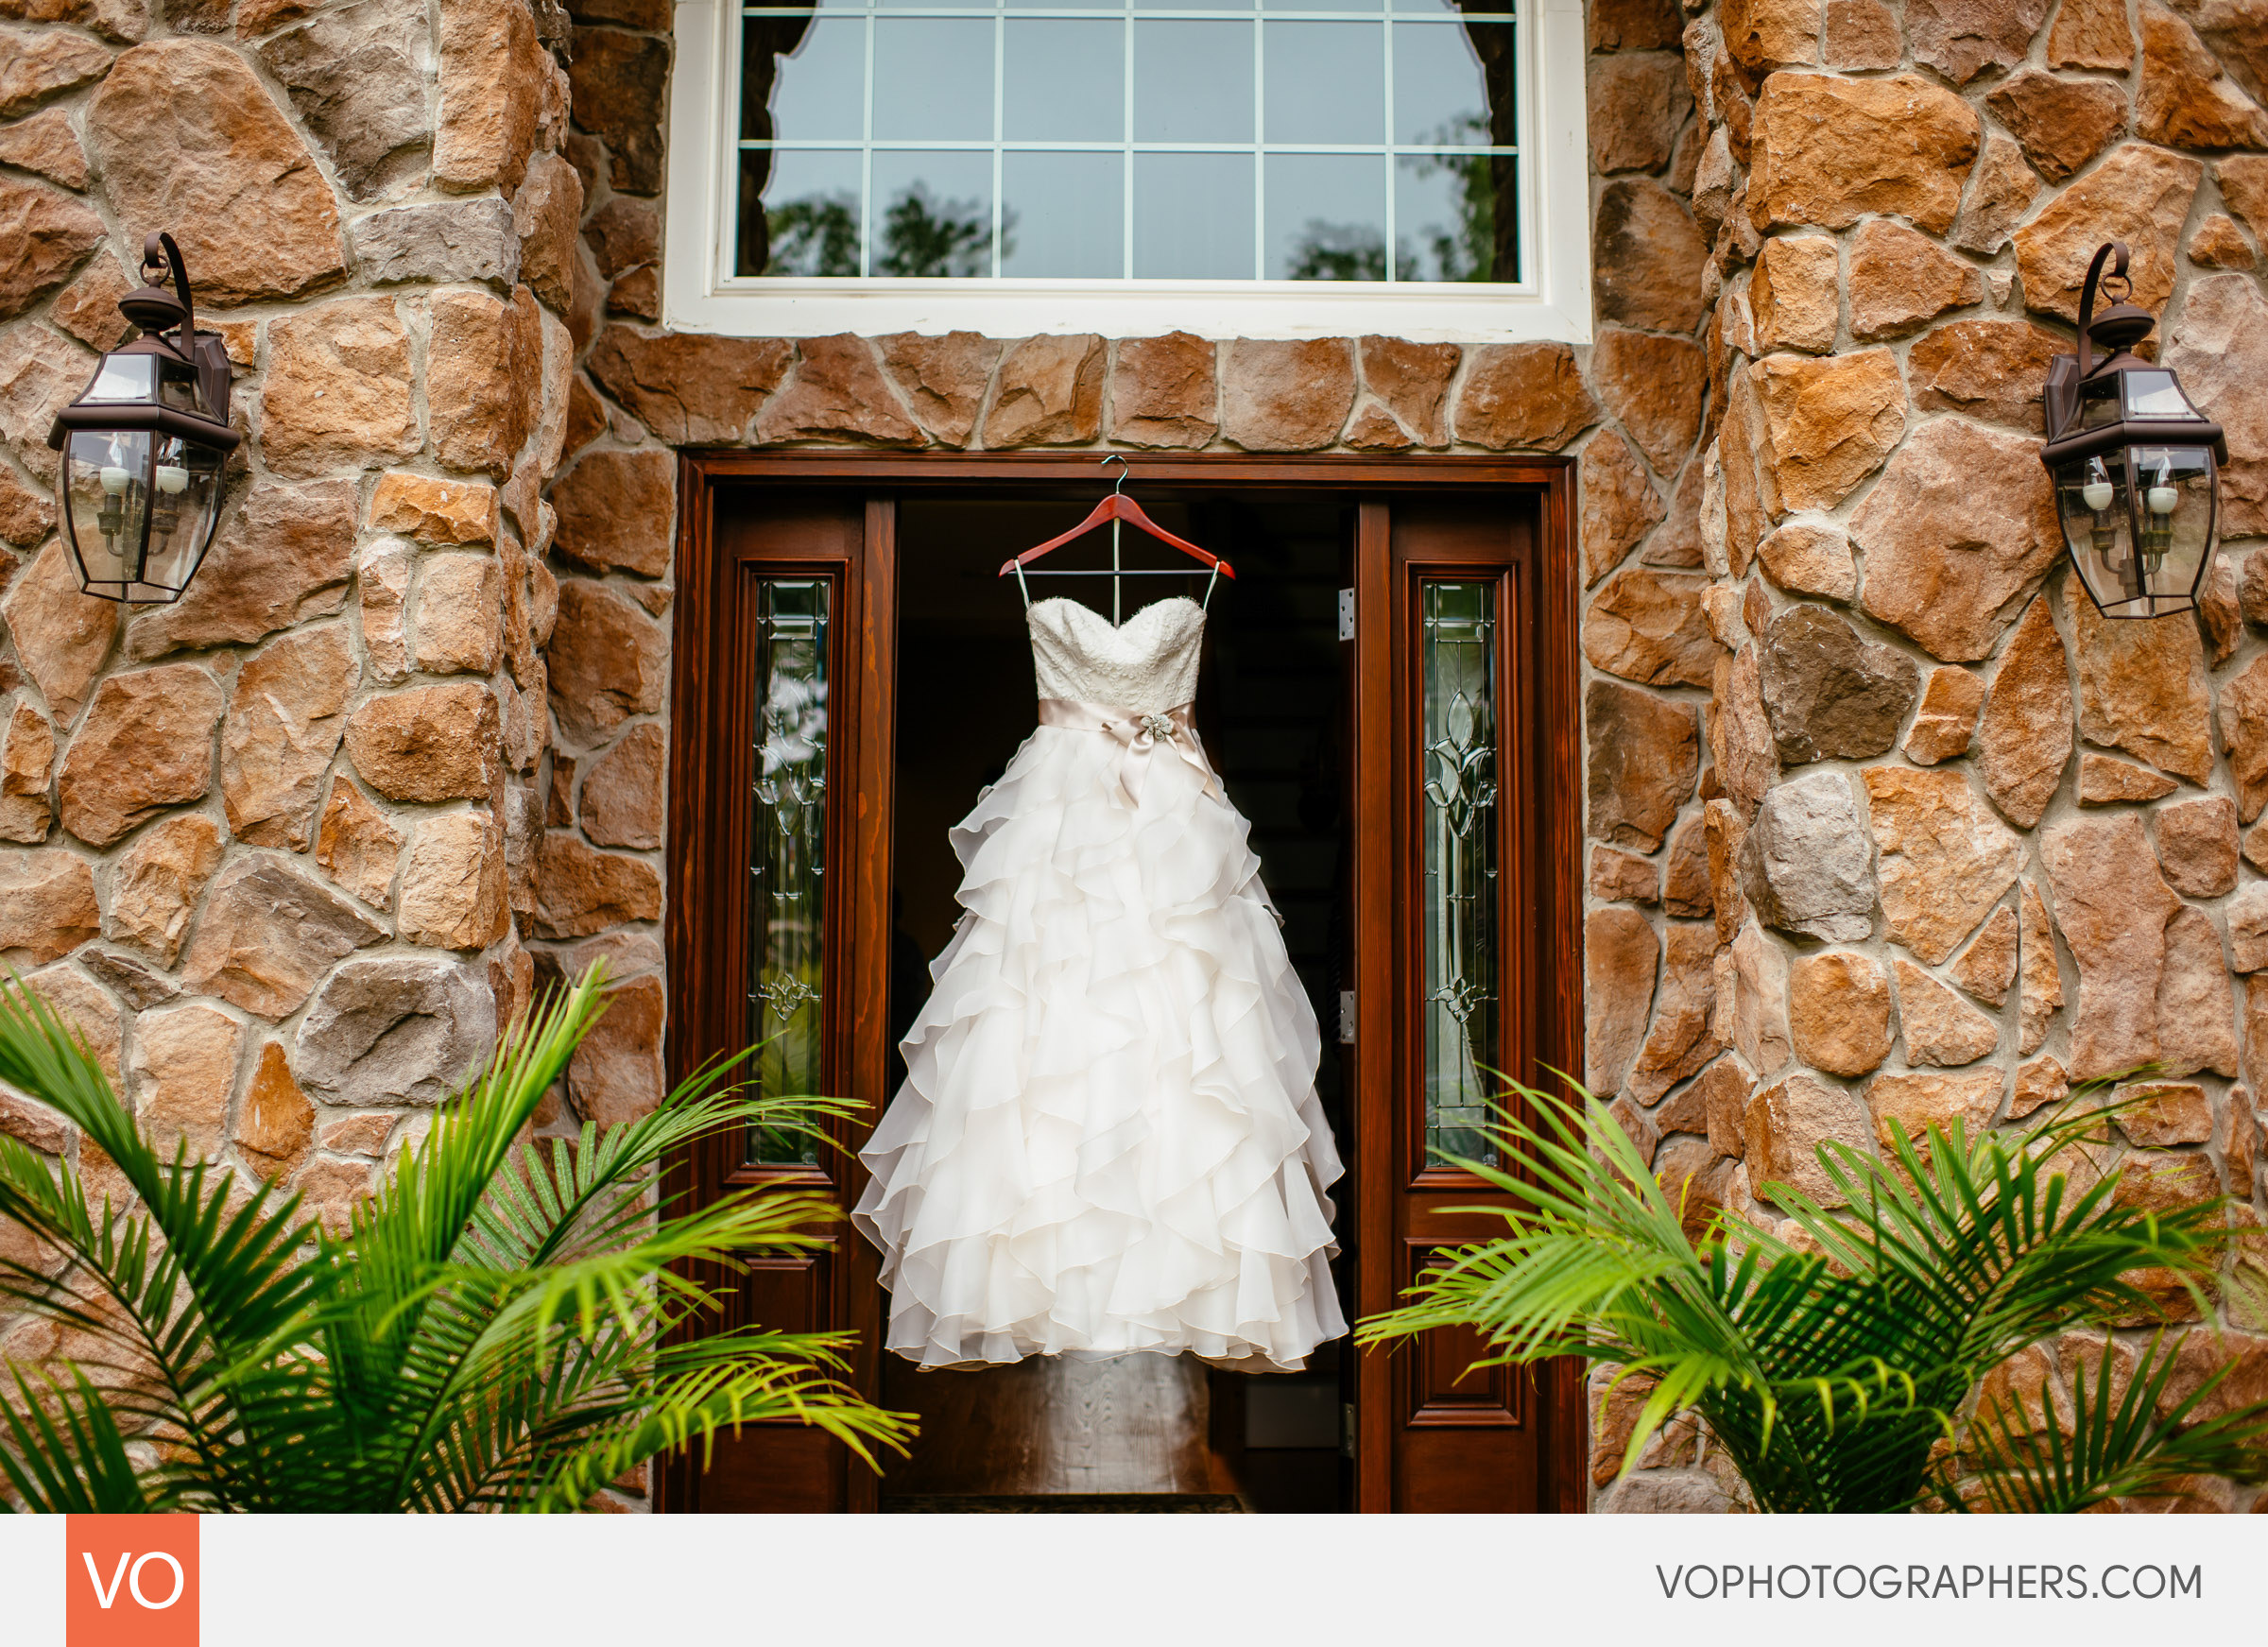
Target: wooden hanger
[{"x": 1114, "y": 509}]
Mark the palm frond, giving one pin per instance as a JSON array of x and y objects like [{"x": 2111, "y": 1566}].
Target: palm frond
[
  {"x": 242, "y": 1266},
  {"x": 174, "y": 1286},
  {"x": 700, "y": 1388},
  {"x": 1830, "y": 1374},
  {"x": 505, "y": 1325},
  {"x": 583, "y": 1196},
  {"x": 62, "y": 1453},
  {"x": 2122, "y": 1441}
]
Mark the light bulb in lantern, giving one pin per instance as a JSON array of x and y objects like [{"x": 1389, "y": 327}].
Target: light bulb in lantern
[
  {"x": 173, "y": 478},
  {"x": 113, "y": 480},
  {"x": 2158, "y": 499},
  {"x": 2097, "y": 492}
]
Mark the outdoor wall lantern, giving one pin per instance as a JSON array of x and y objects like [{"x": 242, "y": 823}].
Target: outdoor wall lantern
[
  {"x": 2136, "y": 466},
  {"x": 144, "y": 447}
]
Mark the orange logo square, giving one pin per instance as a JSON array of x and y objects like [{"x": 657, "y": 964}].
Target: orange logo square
[{"x": 130, "y": 1581}]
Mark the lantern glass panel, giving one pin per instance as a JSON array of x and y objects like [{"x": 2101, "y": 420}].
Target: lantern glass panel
[
  {"x": 124, "y": 379},
  {"x": 105, "y": 487},
  {"x": 2154, "y": 395},
  {"x": 183, "y": 503},
  {"x": 140, "y": 520},
  {"x": 2172, "y": 493},
  {"x": 178, "y": 387},
  {"x": 2098, "y": 402}
]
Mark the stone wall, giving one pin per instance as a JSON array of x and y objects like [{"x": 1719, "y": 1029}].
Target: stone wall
[
  {"x": 401, "y": 751},
  {"x": 252, "y": 834},
  {"x": 1959, "y": 842},
  {"x": 274, "y": 848}
]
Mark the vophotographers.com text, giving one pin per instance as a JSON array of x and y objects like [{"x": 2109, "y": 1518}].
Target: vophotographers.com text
[{"x": 1917, "y": 1581}]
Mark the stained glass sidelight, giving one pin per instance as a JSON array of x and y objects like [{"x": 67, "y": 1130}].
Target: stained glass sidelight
[
  {"x": 1463, "y": 986},
  {"x": 788, "y": 850}
]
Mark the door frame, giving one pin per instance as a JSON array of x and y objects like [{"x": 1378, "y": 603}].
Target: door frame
[{"x": 691, "y": 937}]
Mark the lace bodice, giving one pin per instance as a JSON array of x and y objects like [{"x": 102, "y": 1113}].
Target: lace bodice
[{"x": 1146, "y": 665}]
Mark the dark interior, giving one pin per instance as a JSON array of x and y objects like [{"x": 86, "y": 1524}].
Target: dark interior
[{"x": 1271, "y": 708}]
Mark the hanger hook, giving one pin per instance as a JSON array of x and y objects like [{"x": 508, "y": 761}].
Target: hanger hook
[{"x": 1119, "y": 458}]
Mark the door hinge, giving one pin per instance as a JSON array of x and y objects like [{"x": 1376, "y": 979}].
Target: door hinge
[
  {"x": 1345, "y": 614},
  {"x": 1346, "y": 1429},
  {"x": 1346, "y": 1018}
]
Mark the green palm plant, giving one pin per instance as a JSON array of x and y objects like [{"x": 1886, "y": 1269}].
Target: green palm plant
[
  {"x": 505, "y": 1326},
  {"x": 1841, "y": 1374}
]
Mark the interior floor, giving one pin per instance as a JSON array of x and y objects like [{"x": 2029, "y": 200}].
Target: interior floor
[
  {"x": 1270, "y": 712},
  {"x": 1133, "y": 1424}
]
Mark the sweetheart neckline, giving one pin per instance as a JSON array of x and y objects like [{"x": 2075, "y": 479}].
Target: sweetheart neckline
[{"x": 1115, "y": 629}]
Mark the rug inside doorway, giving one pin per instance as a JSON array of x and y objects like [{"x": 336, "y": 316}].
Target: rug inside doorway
[{"x": 1062, "y": 1504}]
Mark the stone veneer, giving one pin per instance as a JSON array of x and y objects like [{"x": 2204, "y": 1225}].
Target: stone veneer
[
  {"x": 1957, "y": 842},
  {"x": 383, "y": 204},
  {"x": 274, "y": 848}
]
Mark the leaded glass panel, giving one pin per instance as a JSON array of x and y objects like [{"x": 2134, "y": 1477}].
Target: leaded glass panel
[
  {"x": 788, "y": 855},
  {"x": 1462, "y": 940}
]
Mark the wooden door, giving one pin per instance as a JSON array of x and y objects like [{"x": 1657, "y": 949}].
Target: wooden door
[
  {"x": 771, "y": 542},
  {"x": 780, "y": 866},
  {"x": 1464, "y": 757}
]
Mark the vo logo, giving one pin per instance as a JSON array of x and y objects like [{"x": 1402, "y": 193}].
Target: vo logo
[{"x": 130, "y": 1581}]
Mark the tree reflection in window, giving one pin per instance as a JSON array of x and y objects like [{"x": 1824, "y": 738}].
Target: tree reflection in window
[
  {"x": 922, "y": 235},
  {"x": 788, "y": 852},
  {"x": 1460, "y": 900},
  {"x": 1471, "y": 250},
  {"x": 1465, "y": 251},
  {"x": 1345, "y": 252},
  {"x": 815, "y": 235}
]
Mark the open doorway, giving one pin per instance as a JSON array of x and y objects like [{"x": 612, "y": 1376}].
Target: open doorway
[
  {"x": 1463, "y": 573},
  {"x": 1142, "y": 1431}
]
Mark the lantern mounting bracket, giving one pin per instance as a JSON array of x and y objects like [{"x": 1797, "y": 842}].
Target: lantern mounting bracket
[
  {"x": 2105, "y": 346},
  {"x": 155, "y": 312}
]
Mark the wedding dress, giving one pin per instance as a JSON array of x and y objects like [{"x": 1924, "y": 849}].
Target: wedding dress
[{"x": 1108, "y": 1140}]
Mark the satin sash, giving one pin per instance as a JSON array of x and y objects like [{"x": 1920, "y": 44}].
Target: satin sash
[{"x": 1139, "y": 735}]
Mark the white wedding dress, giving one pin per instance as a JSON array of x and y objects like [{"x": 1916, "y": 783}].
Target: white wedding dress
[{"x": 1108, "y": 1139}]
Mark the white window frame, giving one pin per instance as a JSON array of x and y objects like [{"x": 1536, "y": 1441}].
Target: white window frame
[{"x": 701, "y": 294}]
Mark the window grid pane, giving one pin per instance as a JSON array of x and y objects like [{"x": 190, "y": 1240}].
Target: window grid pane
[{"x": 1447, "y": 209}]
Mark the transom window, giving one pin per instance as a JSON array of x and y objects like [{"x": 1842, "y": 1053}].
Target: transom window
[{"x": 1361, "y": 140}]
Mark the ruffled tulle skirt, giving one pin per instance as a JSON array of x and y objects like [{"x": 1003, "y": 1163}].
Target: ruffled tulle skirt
[{"x": 1108, "y": 1140}]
